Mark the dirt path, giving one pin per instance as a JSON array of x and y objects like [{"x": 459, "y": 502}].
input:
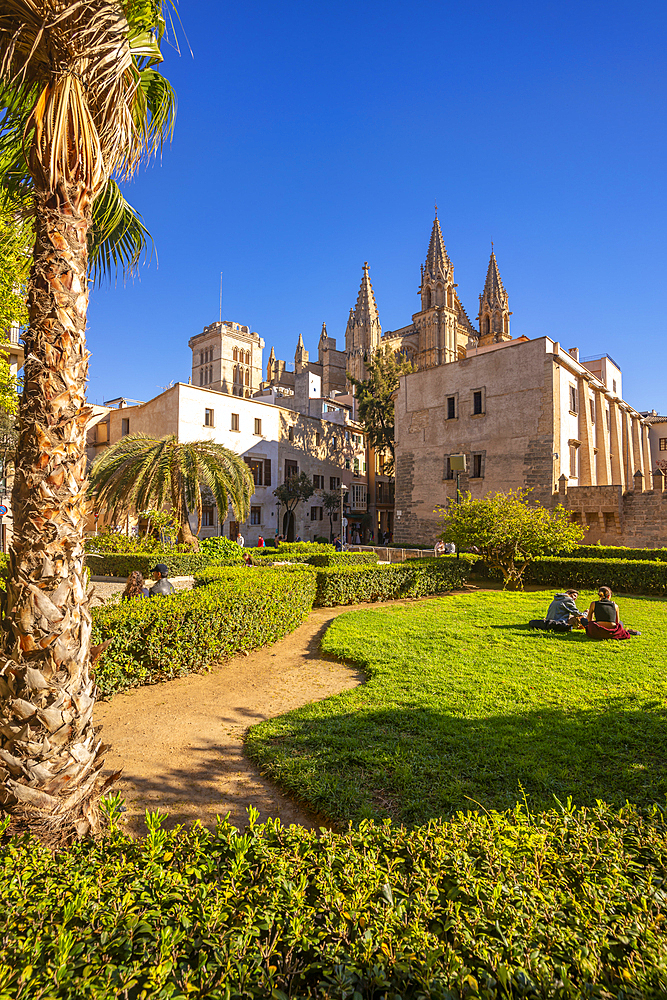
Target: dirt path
[{"x": 180, "y": 743}]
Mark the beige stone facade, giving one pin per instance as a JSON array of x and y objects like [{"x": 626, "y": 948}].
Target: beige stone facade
[{"x": 524, "y": 413}]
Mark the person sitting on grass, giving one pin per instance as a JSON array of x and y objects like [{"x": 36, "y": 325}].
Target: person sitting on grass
[
  {"x": 563, "y": 614},
  {"x": 163, "y": 587},
  {"x": 603, "y": 619},
  {"x": 247, "y": 559},
  {"x": 134, "y": 586}
]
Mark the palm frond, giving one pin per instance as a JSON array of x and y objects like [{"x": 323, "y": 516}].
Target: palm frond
[{"x": 117, "y": 239}]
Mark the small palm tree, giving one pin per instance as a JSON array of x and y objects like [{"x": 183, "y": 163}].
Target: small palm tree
[
  {"x": 82, "y": 103},
  {"x": 140, "y": 471}
]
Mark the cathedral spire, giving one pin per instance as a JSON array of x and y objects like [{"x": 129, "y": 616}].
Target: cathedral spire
[
  {"x": 437, "y": 261},
  {"x": 494, "y": 312},
  {"x": 270, "y": 364},
  {"x": 363, "y": 332},
  {"x": 366, "y": 310},
  {"x": 301, "y": 356},
  {"x": 324, "y": 335}
]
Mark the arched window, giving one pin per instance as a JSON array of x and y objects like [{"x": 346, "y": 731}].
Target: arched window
[
  {"x": 201, "y": 376},
  {"x": 506, "y": 324},
  {"x": 235, "y": 354},
  {"x": 487, "y": 325},
  {"x": 247, "y": 376},
  {"x": 438, "y": 295},
  {"x": 247, "y": 357},
  {"x": 427, "y": 299},
  {"x": 450, "y": 298}
]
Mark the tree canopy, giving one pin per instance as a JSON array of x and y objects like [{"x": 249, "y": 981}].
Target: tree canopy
[
  {"x": 509, "y": 532},
  {"x": 140, "y": 472},
  {"x": 291, "y": 493},
  {"x": 375, "y": 407}
]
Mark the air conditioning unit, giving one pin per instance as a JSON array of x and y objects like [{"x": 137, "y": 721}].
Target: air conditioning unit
[{"x": 457, "y": 463}]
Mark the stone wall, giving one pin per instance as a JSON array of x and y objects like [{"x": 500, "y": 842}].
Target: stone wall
[{"x": 636, "y": 518}]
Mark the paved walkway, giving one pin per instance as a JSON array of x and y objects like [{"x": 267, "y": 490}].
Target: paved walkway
[{"x": 180, "y": 743}]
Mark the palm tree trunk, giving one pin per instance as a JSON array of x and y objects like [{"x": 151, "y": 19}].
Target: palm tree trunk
[{"x": 50, "y": 757}]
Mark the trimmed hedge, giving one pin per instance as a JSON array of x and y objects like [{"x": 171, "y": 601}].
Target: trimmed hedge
[
  {"x": 159, "y": 638},
  {"x": 355, "y": 584},
  {"x": 617, "y": 552},
  {"x": 563, "y": 905},
  {"x": 178, "y": 563},
  {"x": 344, "y": 559},
  {"x": 624, "y": 575}
]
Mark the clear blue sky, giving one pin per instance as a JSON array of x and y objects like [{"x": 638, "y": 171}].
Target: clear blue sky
[{"x": 310, "y": 138}]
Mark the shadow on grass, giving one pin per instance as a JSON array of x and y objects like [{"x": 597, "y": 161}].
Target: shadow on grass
[{"x": 413, "y": 763}]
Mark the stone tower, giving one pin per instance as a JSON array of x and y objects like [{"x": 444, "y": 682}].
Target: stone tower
[
  {"x": 494, "y": 312},
  {"x": 363, "y": 332},
  {"x": 438, "y": 319},
  {"x": 301, "y": 356}
]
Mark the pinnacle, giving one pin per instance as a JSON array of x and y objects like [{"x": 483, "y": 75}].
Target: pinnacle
[
  {"x": 366, "y": 310},
  {"x": 493, "y": 286},
  {"x": 324, "y": 335},
  {"x": 300, "y": 344},
  {"x": 436, "y": 258}
]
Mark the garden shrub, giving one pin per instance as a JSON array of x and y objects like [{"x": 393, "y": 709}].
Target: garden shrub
[
  {"x": 563, "y": 905},
  {"x": 618, "y": 552},
  {"x": 115, "y": 542},
  {"x": 165, "y": 637},
  {"x": 343, "y": 559},
  {"x": 629, "y": 576},
  {"x": 354, "y": 584},
  {"x": 178, "y": 563},
  {"x": 221, "y": 548}
]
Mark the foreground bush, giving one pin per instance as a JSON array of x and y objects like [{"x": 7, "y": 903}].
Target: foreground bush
[
  {"x": 563, "y": 905},
  {"x": 165, "y": 637},
  {"x": 354, "y": 584}
]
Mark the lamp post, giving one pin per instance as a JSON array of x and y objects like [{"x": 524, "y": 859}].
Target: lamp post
[{"x": 343, "y": 491}]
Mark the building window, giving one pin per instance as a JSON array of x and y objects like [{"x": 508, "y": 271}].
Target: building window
[
  {"x": 477, "y": 402},
  {"x": 201, "y": 376},
  {"x": 451, "y": 407},
  {"x": 448, "y": 473},
  {"x": 124, "y": 427},
  {"x": 291, "y": 469},
  {"x": 592, "y": 402},
  {"x": 356, "y": 466},
  {"x": 235, "y": 354},
  {"x": 247, "y": 376},
  {"x": 267, "y": 471},
  {"x": 663, "y": 444},
  {"x": 235, "y": 421},
  {"x": 347, "y": 463},
  {"x": 613, "y": 385},
  {"x": 290, "y": 434},
  {"x": 255, "y": 515},
  {"x": 573, "y": 399},
  {"x": 477, "y": 466},
  {"x": 573, "y": 461},
  {"x": 258, "y": 426},
  {"x": 318, "y": 482},
  {"x": 317, "y": 439},
  {"x": 207, "y": 517},
  {"x": 256, "y": 466},
  {"x": 316, "y": 513},
  {"x": 334, "y": 482},
  {"x": 208, "y": 418}
]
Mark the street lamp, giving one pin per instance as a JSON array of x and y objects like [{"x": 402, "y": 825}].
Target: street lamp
[{"x": 343, "y": 491}]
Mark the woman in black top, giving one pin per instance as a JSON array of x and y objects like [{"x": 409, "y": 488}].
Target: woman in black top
[{"x": 603, "y": 619}]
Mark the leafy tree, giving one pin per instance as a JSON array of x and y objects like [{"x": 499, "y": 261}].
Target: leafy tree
[
  {"x": 331, "y": 503},
  {"x": 375, "y": 404},
  {"x": 83, "y": 103},
  {"x": 291, "y": 493},
  {"x": 508, "y": 532},
  {"x": 140, "y": 471}
]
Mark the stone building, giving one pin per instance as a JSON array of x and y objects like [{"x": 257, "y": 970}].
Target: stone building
[
  {"x": 524, "y": 413},
  {"x": 275, "y": 441}
]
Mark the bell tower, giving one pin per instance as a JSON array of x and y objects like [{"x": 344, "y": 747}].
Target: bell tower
[{"x": 494, "y": 312}]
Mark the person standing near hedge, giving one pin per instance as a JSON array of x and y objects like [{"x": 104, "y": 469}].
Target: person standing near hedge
[
  {"x": 260, "y": 542},
  {"x": 163, "y": 587},
  {"x": 603, "y": 619}
]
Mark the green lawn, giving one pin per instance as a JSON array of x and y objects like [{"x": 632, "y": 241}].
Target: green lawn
[{"x": 464, "y": 704}]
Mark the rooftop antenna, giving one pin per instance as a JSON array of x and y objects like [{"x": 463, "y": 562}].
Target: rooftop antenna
[{"x": 221, "y": 296}]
